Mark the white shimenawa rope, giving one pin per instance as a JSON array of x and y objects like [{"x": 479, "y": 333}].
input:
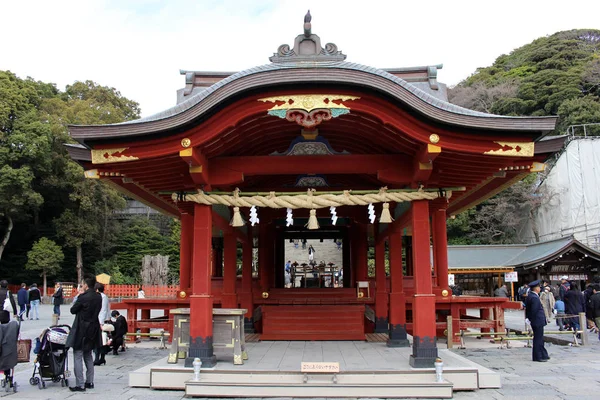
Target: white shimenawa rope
[{"x": 309, "y": 200}]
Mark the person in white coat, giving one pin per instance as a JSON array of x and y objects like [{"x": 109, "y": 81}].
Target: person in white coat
[{"x": 103, "y": 316}]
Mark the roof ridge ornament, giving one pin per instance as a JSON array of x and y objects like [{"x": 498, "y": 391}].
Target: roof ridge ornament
[{"x": 307, "y": 48}]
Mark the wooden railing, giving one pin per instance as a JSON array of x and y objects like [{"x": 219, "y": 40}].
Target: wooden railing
[{"x": 151, "y": 291}]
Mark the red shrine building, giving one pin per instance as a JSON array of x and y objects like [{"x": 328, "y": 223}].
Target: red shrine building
[{"x": 247, "y": 159}]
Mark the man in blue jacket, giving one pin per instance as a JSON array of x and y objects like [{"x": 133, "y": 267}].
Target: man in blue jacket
[
  {"x": 534, "y": 312},
  {"x": 23, "y": 300}
]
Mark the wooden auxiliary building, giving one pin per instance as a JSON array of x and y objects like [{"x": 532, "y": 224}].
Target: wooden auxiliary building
[{"x": 311, "y": 120}]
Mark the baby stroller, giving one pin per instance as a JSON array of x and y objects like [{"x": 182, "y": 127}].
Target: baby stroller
[{"x": 51, "y": 363}]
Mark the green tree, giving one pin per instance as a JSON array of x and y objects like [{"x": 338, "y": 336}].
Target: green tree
[
  {"x": 45, "y": 256},
  {"x": 87, "y": 216},
  {"x": 138, "y": 239}
]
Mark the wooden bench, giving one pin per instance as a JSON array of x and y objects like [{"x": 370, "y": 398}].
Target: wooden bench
[{"x": 228, "y": 334}]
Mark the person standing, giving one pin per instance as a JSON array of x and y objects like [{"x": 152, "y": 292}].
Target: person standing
[
  {"x": 103, "y": 316},
  {"x": 34, "y": 300},
  {"x": 574, "y": 305},
  {"x": 564, "y": 287},
  {"x": 534, "y": 312},
  {"x": 22, "y": 300},
  {"x": 85, "y": 334},
  {"x": 57, "y": 298},
  {"x": 5, "y": 315},
  {"x": 595, "y": 306},
  {"x": 559, "y": 307},
  {"x": 311, "y": 254},
  {"x": 547, "y": 299}
]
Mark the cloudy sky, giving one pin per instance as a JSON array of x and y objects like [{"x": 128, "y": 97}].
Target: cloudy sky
[{"x": 139, "y": 46}]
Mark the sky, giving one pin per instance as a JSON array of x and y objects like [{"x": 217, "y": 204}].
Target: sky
[{"x": 139, "y": 46}]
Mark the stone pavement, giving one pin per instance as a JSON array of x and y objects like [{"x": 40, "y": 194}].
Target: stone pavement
[{"x": 572, "y": 373}]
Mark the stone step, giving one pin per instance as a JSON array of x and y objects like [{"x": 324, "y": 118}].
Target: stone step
[{"x": 296, "y": 384}]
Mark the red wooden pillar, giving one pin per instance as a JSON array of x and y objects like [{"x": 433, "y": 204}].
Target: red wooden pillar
[
  {"x": 246, "y": 292},
  {"x": 263, "y": 256},
  {"x": 185, "y": 252},
  {"x": 201, "y": 302},
  {"x": 424, "y": 339},
  {"x": 397, "y": 324},
  {"x": 229, "y": 296},
  {"x": 381, "y": 297},
  {"x": 440, "y": 247}
]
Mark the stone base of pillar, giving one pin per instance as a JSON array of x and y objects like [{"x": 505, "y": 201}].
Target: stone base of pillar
[
  {"x": 398, "y": 336},
  {"x": 248, "y": 325},
  {"x": 424, "y": 352},
  {"x": 201, "y": 348},
  {"x": 381, "y": 325}
]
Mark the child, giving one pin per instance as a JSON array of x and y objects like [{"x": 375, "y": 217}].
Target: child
[{"x": 559, "y": 309}]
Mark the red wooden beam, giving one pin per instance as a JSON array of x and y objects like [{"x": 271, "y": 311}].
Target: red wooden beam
[
  {"x": 290, "y": 165},
  {"x": 198, "y": 164}
]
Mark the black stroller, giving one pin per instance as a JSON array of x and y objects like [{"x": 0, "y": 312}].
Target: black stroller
[{"x": 51, "y": 363}]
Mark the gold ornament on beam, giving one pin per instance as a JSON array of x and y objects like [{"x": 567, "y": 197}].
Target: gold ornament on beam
[
  {"x": 434, "y": 138},
  {"x": 185, "y": 143},
  {"x": 182, "y": 294},
  {"x": 265, "y": 295},
  {"x": 445, "y": 293}
]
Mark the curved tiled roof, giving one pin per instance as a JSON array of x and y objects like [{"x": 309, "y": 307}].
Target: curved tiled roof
[{"x": 307, "y": 72}]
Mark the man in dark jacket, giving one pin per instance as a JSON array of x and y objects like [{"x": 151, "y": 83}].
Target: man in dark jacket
[
  {"x": 534, "y": 312},
  {"x": 57, "y": 298},
  {"x": 22, "y": 300},
  {"x": 120, "y": 324},
  {"x": 85, "y": 334}
]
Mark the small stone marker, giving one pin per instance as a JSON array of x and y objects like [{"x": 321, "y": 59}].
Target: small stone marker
[{"x": 331, "y": 367}]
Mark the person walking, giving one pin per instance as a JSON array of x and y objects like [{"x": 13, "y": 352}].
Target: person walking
[
  {"x": 57, "y": 298},
  {"x": 534, "y": 312},
  {"x": 85, "y": 334},
  {"x": 34, "y": 300},
  {"x": 103, "y": 317},
  {"x": 311, "y": 254},
  {"x": 7, "y": 364},
  {"x": 22, "y": 299}
]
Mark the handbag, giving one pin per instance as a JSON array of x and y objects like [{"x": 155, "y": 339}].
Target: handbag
[
  {"x": 23, "y": 350},
  {"x": 7, "y": 304}
]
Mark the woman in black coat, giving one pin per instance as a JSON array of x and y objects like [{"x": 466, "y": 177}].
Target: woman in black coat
[
  {"x": 4, "y": 292},
  {"x": 574, "y": 304}
]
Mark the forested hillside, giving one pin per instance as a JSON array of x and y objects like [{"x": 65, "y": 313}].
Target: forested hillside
[
  {"x": 43, "y": 194},
  {"x": 554, "y": 75}
]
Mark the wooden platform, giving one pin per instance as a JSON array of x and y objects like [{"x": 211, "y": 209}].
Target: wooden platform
[
  {"x": 367, "y": 369},
  {"x": 313, "y": 322}
]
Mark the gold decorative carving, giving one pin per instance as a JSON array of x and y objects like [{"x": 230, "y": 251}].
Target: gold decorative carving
[
  {"x": 433, "y": 138},
  {"x": 172, "y": 358},
  {"x": 445, "y": 293},
  {"x": 308, "y": 102},
  {"x": 538, "y": 167},
  {"x": 91, "y": 174},
  {"x": 186, "y": 142},
  {"x": 237, "y": 359},
  {"x": 107, "y": 156},
  {"x": 433, "y": 149},
  {"x": 182, "y": 294},
  {"x": 513, "y": 149},
  {"x": 265, "y": 295}
]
